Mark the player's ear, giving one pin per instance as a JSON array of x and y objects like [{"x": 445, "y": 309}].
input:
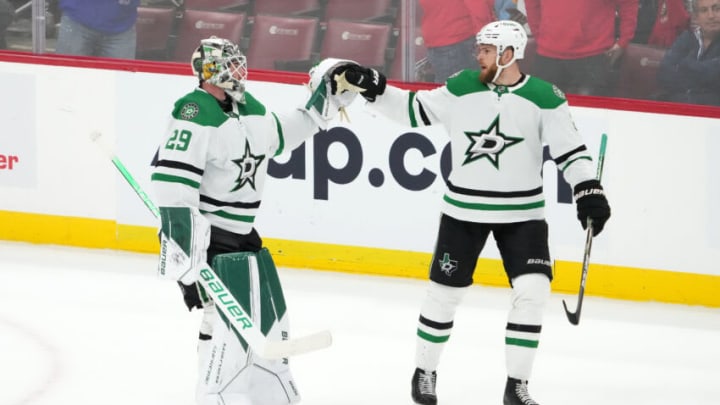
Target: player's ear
[{"x": 507, "y": 55}]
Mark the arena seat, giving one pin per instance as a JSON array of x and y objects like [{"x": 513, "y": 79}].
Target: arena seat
[
  {"x": 223, "y": 5},
  {"x": 364, "y": 43},
  {"x": 287, "y": 7},
  {"x": 638, "y": 71},
  {"x": 200, "y": 24},
  {"x": 154, "y": 26},
  {"x": 365, "y": 10},
  {"x": 275, "y": 39}
]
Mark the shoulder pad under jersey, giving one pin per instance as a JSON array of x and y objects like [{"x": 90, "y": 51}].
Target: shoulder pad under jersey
[
  {"x": 201, "y": 108},
  {"x": 541, "y": 93},
  {"x": 465, "y": 82}
]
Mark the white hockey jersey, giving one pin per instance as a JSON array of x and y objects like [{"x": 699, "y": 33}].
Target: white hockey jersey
[
  {"x": 217, "y": 161},
  {"x": 497, "y": 135}
]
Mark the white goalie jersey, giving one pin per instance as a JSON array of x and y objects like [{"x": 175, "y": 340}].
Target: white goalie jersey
[
  {"x": 217, "y": 160},
  {"x": 497, "y": 137}
]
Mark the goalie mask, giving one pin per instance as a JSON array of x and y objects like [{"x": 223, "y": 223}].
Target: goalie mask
[
  {"x": 220, "y": 62},
  {"x": 503, "y": 34}
]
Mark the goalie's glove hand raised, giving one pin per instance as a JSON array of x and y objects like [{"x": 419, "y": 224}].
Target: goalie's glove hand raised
[
  {"x": 368, "y": 82},
  {"x": 591, "y": 203}
]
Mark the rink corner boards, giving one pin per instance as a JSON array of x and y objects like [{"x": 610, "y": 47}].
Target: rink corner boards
[{"x": 604, "y": 280}]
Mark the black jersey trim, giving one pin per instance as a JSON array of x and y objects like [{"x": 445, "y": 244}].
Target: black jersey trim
[
  {"x": 236, "y": 204},
  {"x": 520, "y": 81},
  {"x": 174, "y": 164},
  {"x": 560, "y": 159},
  {"x": 423, "y": 115},
  {"x": 496, "y": 194},
  {"x": 435, "y": 325},
  {"x": 523, "y": 328}
]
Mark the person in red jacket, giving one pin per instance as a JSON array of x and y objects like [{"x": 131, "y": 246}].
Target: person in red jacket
[
  {"x": 660, "y": 22},
  {"x": 577, "y": 41},
  {"x": 448, "y": 29}
]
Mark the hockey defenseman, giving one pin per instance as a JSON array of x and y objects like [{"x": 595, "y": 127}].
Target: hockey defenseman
[
  {"x": 498, "y": 120},
  {"x": 208, "y": 180}
]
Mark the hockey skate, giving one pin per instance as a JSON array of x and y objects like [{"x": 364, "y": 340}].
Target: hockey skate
[
  {"x": 423, "y": 387},
  {"x": 516, "y": 393}
]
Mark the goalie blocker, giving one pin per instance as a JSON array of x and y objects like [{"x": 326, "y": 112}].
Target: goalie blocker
[{"x": 228, "y": 365}]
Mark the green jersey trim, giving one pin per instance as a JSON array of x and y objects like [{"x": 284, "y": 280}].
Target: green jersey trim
[
  {"x": 432, "y": 338},
  {"x": 541, "y": 93},
  {"x": 522, "y": 342},
  {"x": 466, "y": 82},
  {"x": 251, "y": 107},
  {"x": 200, "y": 108},
  {"x": 174, "y": 179},
  {"x": 281, "y": 141},
  {"x": 494, "y": 207},
  {"x": 411, "y": 111}
]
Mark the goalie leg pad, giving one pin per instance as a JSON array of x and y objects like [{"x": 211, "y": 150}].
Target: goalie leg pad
[
  {"x": 184, "y": 239},
  {"x": 223, "y": 374},
  {"x": 235, "y": 371},
  {"x": 253, "y": 281},
  {"x": 272, "y": 373}
]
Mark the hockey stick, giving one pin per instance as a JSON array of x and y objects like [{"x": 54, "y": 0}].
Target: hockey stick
[
  {"x": 221, "y": 295},
  {"x": 574, "y": 317}
]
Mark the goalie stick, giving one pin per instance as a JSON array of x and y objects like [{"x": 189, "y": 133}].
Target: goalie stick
[
  {"x": 221, "y": 295},
  {"x": 574, "y": 317}
]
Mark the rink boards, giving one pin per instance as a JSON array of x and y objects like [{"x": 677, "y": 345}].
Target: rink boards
[{"x": 363, "y": 197}]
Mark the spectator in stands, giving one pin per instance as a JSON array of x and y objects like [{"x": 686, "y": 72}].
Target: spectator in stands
[
  {"x": 7, "y": 12},
  {"x": 660, "y": 22},
  {"x": 690, "y": 70},
  {"x": 647, "y": 14},
  {"x": 577, "y": 44},
  {"x": 448, "y": 28},
  {"x": 519, "y": 15},
  {"x": 98, "y": 28},
  {"x": 512, "y": 10},
  {"x": 505, "y": 9}
]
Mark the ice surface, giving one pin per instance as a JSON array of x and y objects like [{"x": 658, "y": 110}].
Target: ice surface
[{"x": 96, "y": 327}]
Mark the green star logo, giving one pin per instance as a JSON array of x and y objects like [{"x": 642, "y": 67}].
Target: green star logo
[
  {"x": 489, "y": 144},
  {"x": 248, "y": 164},
  {"x": 189, "y": 111},
  {"x": 447, "y": 265}
]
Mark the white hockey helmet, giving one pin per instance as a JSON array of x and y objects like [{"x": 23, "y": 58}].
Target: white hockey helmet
[
  {"x": 504, "y": 34},
  {"x": 218, "y": 61}
]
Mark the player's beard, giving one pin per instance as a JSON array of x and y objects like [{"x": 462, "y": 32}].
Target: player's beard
[{"x": 487, "y": 75}]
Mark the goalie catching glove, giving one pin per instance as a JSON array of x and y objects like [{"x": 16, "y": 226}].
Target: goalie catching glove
[
  {"x": 326, "y": 102},
  {"x": 352, "y": 77},
  {"x": 591, "y": 203}
]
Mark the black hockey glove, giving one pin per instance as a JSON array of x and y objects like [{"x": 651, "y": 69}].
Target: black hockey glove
[
  {"x": 371, "y": 82},
  {"x": 191, "y": 295},
  {"x": 591, "y": 203}
]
